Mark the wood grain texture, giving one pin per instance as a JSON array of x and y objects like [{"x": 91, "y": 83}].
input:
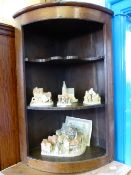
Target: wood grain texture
[
  {"x": 6, "y": 30},
  {"x": 20, "y": 93},
  {"x": 45, "y": 5},
  {"x": 109, "y": 87},
  {"x": 72, "y": 167},
  {"x": 9, "y": 140},
  {"x": 23, "y": 169},
  {"x": 62, "y": 12}
]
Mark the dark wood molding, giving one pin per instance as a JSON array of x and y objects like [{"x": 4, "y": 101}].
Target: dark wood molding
[
  {"x": 74, "y": 167},
  {"x": 77, "y": 4},
  {"x": 7, "y": 30}
]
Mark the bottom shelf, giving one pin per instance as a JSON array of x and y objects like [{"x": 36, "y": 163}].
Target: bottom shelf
[
  {"x": 93, "y": 158},
  {"x": 23, "y": 169},
  {"x": 90, "y": 153}
]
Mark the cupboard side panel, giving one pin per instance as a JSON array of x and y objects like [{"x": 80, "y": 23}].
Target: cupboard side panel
[
  {"x": 109, "y": 88},
  {"x": 9, "y": 138},
  {"x": 21, "y": 92}
]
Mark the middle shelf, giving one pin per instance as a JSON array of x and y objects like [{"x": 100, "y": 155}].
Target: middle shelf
[
  {"x": 67, "y": 59},
  {"x": 73, "y": 107}
]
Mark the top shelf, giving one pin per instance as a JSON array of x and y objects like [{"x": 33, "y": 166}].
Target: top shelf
[{"x": 58, "y": 59}]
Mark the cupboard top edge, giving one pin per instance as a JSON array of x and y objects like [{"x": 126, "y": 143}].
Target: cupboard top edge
[
  {"x": 6, "y": 30},
  {"x": 6, "y": 26},
  {"x": 74, "y": 4}
]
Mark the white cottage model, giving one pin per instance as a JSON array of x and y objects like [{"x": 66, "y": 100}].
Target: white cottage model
[
  {"x": 91, "y": 98},
  {"x": 67, "y": 97},
  {"x": 41, "y": 98}
]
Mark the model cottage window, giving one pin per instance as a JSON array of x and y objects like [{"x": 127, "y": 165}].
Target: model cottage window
[{"x": 65, "y": 90}]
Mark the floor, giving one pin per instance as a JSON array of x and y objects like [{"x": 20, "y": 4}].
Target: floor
[{"x": 114, "y": 168}]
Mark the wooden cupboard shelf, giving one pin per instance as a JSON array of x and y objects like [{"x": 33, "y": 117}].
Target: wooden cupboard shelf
[
  {"x": 70, "y": 59},
  {"x": 53, "y": 34},
  {"x": 73, "y": 107},
  {"x": 90, "y": 153}
]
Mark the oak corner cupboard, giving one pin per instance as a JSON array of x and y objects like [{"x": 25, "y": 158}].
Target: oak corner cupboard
[
  {"x": 44, "y": 34},
  {"x": 9, "y": 135}
]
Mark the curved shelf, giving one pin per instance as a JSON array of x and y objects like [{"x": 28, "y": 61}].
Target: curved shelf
[
  {"x": 65, "y": 59},
  {"x": 51, "y": 4},
  {"x": 93, "y": 156},
  {"x": 73, "y": 107}
]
